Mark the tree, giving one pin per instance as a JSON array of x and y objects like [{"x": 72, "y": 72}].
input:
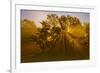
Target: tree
[
  {"x": 53, "y": 33},
  {"x": 86, "y": 26},
  {"x": 73, "y": 20},
  {"x": 52, "y": 20},
  {"x": 63, "y": 22}
]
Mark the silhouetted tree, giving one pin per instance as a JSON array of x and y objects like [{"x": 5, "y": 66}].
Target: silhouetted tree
[{"x": 53, "y": 33}]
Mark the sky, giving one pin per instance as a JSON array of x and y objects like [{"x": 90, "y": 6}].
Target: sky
[{"x": 38, "y": 16}]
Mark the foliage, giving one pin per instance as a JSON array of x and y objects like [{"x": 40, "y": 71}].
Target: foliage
[{"x": 54, "y": 32}]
